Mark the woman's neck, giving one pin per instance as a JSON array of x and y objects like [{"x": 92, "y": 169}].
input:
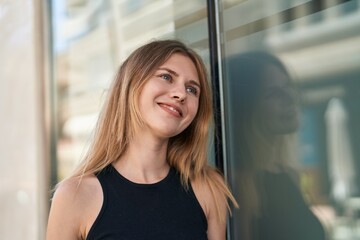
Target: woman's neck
[{"x": 144, "y": 161}]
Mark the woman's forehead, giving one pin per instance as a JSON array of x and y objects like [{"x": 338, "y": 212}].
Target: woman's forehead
[{"x": 180, "y": 64}]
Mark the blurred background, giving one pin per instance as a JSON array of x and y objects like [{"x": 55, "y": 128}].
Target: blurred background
[{"x": 57, "y": 59}]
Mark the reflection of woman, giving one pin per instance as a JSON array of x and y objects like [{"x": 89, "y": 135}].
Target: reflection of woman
[
  {"x": 146, "y": 174},
  {"x": 265, "y": 114}
]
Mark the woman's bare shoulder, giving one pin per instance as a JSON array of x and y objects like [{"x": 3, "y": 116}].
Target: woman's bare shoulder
[
  {"x": 214, "y": 203},
  {"x": 76, "y": 188},
  {"x": 74, "y": 207},
  {"x": 206, "y": 192}
]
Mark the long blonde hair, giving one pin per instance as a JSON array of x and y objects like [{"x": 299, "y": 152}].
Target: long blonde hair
[{"x": 120, "y": 119}]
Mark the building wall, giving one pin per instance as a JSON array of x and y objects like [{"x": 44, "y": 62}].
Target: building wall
[{"x": 22, "y": 145}]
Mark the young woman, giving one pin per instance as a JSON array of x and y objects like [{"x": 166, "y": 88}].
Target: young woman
[
  {"x": 266, "y": 115},
  {"x": 146, "y": 174}
]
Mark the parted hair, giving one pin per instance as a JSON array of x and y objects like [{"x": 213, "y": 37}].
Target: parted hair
[{"x": 120, "y": 119}]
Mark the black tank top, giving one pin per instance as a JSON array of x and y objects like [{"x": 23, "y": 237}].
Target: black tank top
[{"x": 132, "y": 211}]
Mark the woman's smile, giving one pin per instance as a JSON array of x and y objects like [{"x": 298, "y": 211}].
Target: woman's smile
[{"x": 172, "y": 109}]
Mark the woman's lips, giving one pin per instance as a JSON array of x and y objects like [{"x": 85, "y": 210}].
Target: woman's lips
[{"x": 172, "y": 109}]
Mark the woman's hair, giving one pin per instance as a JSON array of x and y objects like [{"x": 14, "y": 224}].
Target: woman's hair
[
  {"x": 120, "y": 118},
  {"x": 246, "y": 72}
]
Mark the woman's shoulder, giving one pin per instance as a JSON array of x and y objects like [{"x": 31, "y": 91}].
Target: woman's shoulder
[
  {"x": 206, "y": 189},
  {"x": 75, "y": 189},
  {"x": 212, "y": 199},
  {"x": 76, "y": 204},
  {"x": 81, "y": 194}
]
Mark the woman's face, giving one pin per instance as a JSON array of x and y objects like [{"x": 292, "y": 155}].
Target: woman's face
[
  {"x": 169, "y": 99},
  {"x": 277, "y": 108}
]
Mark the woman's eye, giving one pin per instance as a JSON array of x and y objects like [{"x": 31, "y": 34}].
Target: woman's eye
[
  {"x": 192, "y": 90},
  {"x": 166, "y": 77}
]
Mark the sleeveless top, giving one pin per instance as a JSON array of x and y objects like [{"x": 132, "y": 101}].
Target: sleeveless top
[{"x": 161, "y": 211}]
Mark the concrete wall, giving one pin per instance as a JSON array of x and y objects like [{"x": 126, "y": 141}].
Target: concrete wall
[{"x": 23, "y": 193}]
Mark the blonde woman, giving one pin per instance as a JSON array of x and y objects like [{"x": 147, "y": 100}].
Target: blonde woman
[{"x": 146, "y": 174}]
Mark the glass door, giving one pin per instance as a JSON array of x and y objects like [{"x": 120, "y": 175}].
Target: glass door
[{"x": 291, "y": 97}]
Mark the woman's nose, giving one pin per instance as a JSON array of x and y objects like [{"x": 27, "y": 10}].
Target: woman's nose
[{"x": 179, "y": 94}]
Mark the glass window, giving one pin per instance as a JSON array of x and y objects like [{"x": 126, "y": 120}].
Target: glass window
[
  {"x": 292, "y": 96},
  {"x": 92, "y": 38}
]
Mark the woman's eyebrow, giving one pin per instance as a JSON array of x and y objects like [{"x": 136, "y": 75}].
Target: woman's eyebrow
[
  {"x": 170, "y": 71},
  {"x": 176, "y": 75}
]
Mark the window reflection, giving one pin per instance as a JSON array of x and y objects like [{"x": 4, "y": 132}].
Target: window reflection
[
  {"x": 266, "y": 116},
  {"x": 298, "y": 171}
]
